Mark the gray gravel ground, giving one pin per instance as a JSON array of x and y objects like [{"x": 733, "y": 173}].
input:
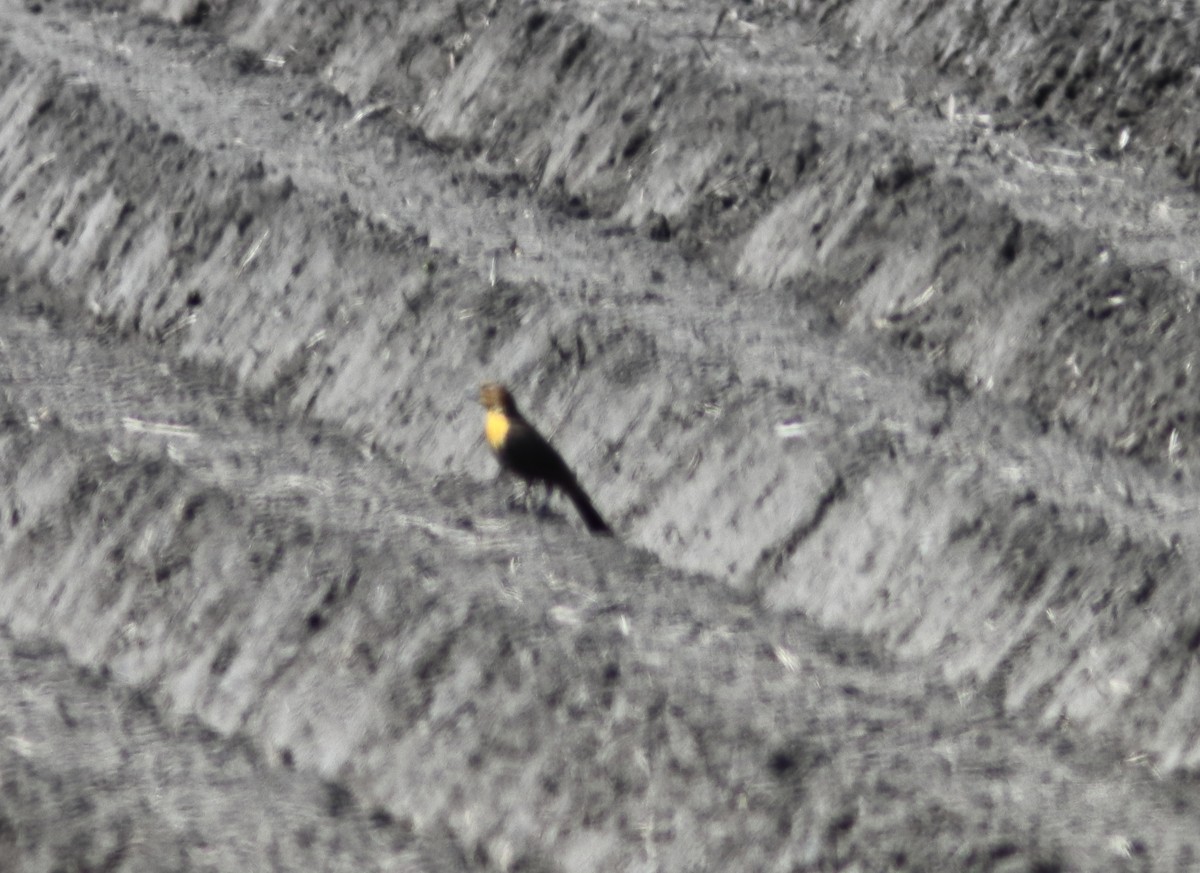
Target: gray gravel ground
[{"x": 869, "y": 325}]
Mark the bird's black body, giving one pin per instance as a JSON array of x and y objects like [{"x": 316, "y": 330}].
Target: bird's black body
[{"x": 523, "y": 451}]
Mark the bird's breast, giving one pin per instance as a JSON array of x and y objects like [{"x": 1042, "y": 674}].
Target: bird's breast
[{"x": 495, "y": 429}]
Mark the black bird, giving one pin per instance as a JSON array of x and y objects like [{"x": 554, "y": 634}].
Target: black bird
[{"x": 520, "y": 449}]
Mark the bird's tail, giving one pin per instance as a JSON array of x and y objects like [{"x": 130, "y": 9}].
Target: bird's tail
[{"x": 587, "y": 511}]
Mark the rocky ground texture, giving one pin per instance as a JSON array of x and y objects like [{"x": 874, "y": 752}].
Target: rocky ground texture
[{"x": 870, "y": 325}]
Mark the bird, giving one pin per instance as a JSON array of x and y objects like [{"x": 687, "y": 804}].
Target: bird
[{"x": 521, "y": 450}]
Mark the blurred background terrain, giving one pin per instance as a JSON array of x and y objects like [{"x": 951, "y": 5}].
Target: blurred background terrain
[{"x": 869, "y": 325}]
